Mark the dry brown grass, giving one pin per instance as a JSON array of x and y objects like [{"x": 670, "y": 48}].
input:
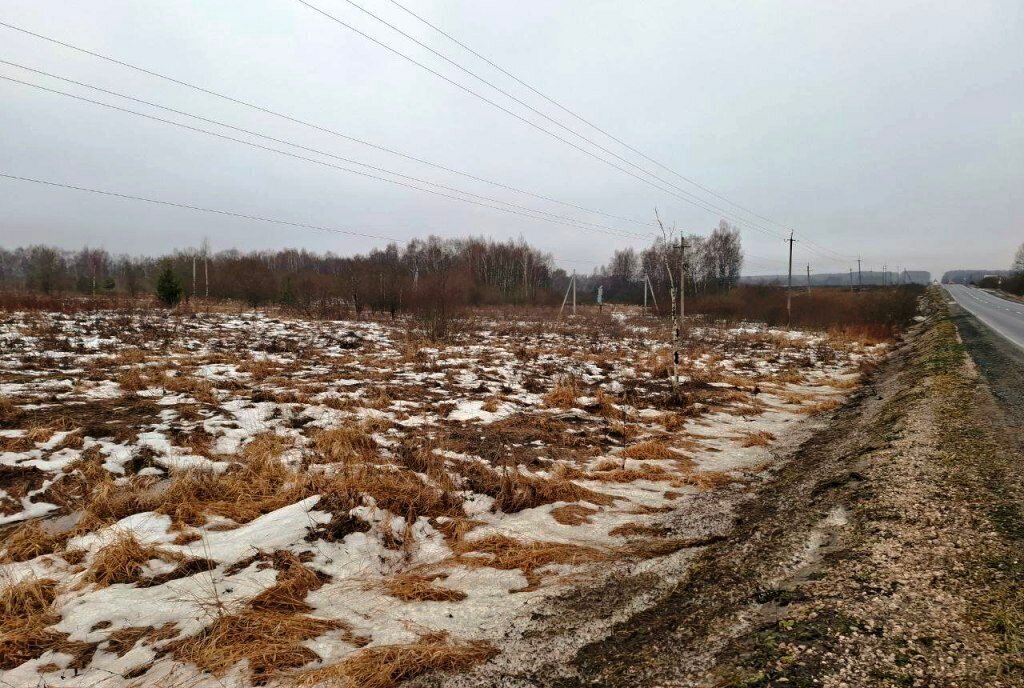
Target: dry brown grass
[
  {"x": 259, "y": 369},
  {"x": 631, "y": 530},
  {"x": 271, "y": 642},
  {"x": 563, "y": 394},
  {"x": 611, "y": 472},
  {"x": 649, "y": 451},
  {"x": 199, "y": 389},
  {"x": 573, "y": 514},
  {"x": 31, "y": 540},
  {"x": 708, "y": 480},
  {"x": 294, "y": 582},
  {"x": 121, "y": 641},
  {"x": 258, "y": 484},
  {"x": 388, "y": 665},
  {"x": 413, "y": 587},
  {"x": 123, "y": 560},
  {"x": 505, "y": 553},
  {"x": 822, "y": 406},
  {"x": 132, "y": 381},
  {"x": 377, "y": 397},
  {"x": 26, "y": 611},
  {"x": 518, "y": 492},
  {"x": 343, "y": 444},
  {"x": 760, "y": 438}
]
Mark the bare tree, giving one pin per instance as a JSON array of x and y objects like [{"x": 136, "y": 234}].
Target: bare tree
[{"x": 1018, "y": 261}]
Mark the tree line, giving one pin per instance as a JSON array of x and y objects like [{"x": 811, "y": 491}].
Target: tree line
[{"x": 420, "y": 275}]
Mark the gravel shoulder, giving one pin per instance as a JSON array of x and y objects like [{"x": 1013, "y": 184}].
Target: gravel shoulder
[{"x": 887, "y": 551}]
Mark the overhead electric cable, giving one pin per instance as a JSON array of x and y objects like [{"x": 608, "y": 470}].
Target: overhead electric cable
[
  {"x": 680, "y": 193},
  {"x": 228, "y": 213},
  {"x": 577, "y": 224},
  {"x": 581, "y": 118},
  {"x": 317, "y": 127},
  {"x": 187, "y": 206}
]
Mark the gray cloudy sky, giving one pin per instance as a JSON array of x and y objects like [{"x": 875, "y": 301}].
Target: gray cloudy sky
[{"x": 889, "y": 129}]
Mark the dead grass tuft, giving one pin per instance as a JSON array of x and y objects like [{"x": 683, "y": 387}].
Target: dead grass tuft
[
  {"x": 270, "y": 641},
  {"x": 412, "y": 587},
  {"x": 388, "y": 665},
  {"x": 649, "y": 451},
  {"x": 294, "y": 583},
  {"x": 563, "y": 394},
  {"x": 123, "y": 560},
  {"x": 505, "y": 553},
  {"x": 343, "y": 444},
  {"x": 572, "y": 514},
  {"x": 26, "y": 610},
  {"x": 518, "y": 492},
  {"x": 756, "y": 439},
  {"x": 31, "y": 540}
]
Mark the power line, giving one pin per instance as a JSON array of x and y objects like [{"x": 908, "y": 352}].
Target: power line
[
  {"x": 306, "y": 148},
  {"x": 578, "y": 116},
  {"x": 681, "y": 194},
  {"x": 229, "y": 213},
  {"x": 186, "y": 206},
  {"x": 317, "y": 127},
  {"x": 577, "y": 224}
]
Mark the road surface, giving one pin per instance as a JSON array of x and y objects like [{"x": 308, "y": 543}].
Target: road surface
[{"x": 1002, "y": 315}]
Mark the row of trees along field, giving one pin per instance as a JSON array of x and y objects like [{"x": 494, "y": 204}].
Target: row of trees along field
[{"x": 459, "y": 272}]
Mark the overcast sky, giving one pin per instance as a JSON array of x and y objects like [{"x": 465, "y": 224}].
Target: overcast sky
[{"x": 893, "y": 130}]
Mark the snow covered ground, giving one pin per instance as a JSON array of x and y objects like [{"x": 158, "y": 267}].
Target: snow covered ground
[{"x": 246, "y": 500}]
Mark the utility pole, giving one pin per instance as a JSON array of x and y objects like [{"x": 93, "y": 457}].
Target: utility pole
[
  {"x": 570, "y": 288},
  {"x": 645, "y": 294},
  {"x": 808, "y": 278},
  {"x": 574, "y": 293},
  {"x": 789, "y": 285},
  {"x": 885, "y": 274},
  {"x": 860, "y": 276},
  {"x": 682, "y": 279}
]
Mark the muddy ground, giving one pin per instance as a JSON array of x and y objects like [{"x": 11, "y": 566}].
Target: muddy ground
[{"x": 887, "y": 551}]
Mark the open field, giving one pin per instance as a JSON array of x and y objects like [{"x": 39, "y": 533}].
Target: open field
[{"x": 224, "y": 499}]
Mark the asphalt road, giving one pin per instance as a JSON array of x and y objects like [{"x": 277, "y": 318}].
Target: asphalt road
[{"x": 1002, "y": 315}]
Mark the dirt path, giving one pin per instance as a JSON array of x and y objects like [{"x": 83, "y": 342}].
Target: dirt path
[{"x": 888, "y": 551}]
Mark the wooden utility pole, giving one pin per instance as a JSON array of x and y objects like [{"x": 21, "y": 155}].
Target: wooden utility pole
[
  {"x": 808, "y": 278},
  {"x": 645, "y": 294},
  {"x": 193, "y": 275},
  {"x": 789, "y": 285},
  {"x": 860, "y": 276}
]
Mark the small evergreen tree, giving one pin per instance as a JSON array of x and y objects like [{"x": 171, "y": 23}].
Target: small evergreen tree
[{"x": 168, "y": 287}]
